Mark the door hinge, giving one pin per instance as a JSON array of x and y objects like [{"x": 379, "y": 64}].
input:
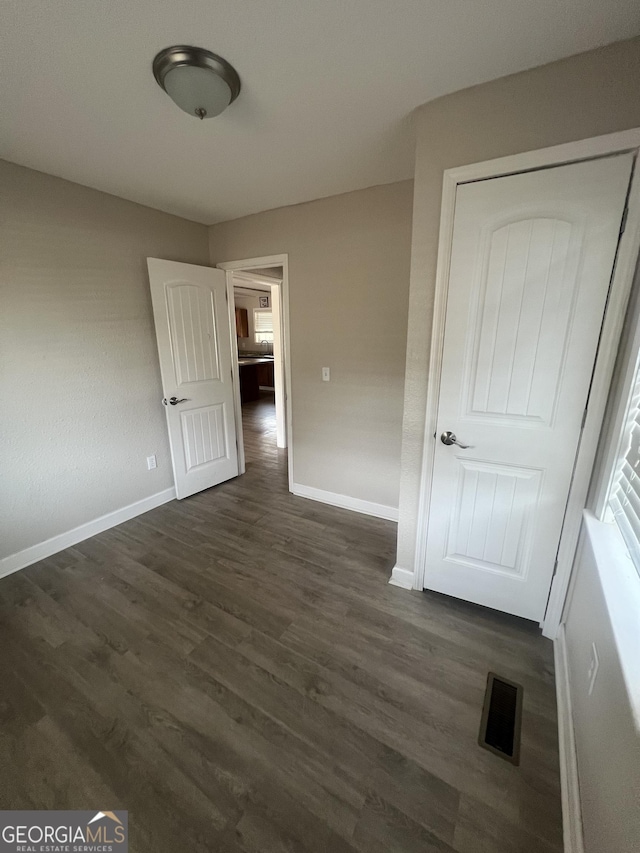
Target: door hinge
[
  {"x": 555, "y": 569},
  {"x": 584, "y": 419},
  {"x": 623, "y": 224}
]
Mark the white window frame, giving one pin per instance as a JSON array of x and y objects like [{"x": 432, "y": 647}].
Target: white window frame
[
  {"x": 618, "y": 576},
  {"x": 614, "y": 437}
]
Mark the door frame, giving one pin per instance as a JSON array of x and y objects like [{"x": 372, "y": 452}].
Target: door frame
[
  {"x": 246, "y": 265},
  {"x": 623, "y": 273}
]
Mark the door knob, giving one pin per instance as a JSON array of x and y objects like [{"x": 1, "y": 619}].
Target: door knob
[
  {"x": 449, "y": 437},
  {"x": 173, "y": 401}
]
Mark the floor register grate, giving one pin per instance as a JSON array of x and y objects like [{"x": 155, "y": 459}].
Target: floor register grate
[{"x": 501, "y": 718}]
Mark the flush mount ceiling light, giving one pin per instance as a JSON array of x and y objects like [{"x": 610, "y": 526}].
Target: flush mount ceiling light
[{"x": 199, "y": 82}]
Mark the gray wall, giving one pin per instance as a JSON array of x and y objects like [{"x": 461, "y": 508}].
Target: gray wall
[
  {"x": 586, "y": 95},
  {"x": 81, "y": 386},
  {"x": 349, "y": 284},
  {"x": 607, "y": 740}
]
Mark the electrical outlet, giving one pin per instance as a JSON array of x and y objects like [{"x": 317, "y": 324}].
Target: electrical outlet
[
  {"x": 326, "y": 374},
  {"x": 151, "y": 463},
  {"x": 592, "y": 672}
]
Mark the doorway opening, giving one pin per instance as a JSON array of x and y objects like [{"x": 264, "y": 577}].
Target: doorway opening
[
  {"x": 254, "y": 325},
  {"x": 257, "y": 293}
]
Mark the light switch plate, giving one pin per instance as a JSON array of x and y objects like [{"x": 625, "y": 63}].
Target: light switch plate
[
  {"x": 326, "y": 374},
  {"x": 151, "y": 463}
]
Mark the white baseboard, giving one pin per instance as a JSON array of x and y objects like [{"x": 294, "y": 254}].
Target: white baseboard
[
  {"x": 401, "y": 577},
  {"x": 571, "y": 809},
  {"x": 346, "y": 502},
  {"x": 15, "y": 562}
]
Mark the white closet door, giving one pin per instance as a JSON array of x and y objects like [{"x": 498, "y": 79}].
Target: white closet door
[{"x": 532, "y": 258}]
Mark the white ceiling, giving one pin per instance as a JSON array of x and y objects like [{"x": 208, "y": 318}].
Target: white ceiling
[{"x": 328, "y": 88}]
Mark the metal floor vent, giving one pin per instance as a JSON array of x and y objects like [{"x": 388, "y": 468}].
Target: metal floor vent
[{"x": 501, "y": 718}]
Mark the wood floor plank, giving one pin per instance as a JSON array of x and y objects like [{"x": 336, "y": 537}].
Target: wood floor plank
[
  {"x": 235, "y": 670},
  {"x": 483, "y": 830},
  {"x": 382, "y": 828},
  {"x": 42, "y": 769},
  {"x": 438, "y": 746}
]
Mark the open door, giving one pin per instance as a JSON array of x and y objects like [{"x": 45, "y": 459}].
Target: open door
[{"x": 194, "y": 346}]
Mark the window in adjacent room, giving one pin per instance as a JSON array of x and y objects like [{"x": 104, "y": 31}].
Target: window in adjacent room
[{"x": 263, "y": 325}]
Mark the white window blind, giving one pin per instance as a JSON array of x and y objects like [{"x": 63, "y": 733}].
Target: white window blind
[
  {"x": 624, "y": 498},
  {"x": 263, "y": 325}
]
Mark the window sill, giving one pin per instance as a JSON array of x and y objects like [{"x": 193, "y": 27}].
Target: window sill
[{"x": 620, "y": 584}]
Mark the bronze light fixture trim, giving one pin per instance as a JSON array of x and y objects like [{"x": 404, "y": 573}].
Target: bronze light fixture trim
[{"x": 198, "y": 81}]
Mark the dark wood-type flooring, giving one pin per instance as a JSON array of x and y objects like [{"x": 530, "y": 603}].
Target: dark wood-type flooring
[{"x": 235, "y": 671}]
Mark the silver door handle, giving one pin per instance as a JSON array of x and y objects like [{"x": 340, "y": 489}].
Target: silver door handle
[
  {"x": 173, "y": 401},
  {"x": 449, "y": 437}
]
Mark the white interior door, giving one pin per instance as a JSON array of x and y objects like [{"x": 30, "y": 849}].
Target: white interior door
[
  {"x": 194, "y": 344},
  {"x": 532, "y": 257}
]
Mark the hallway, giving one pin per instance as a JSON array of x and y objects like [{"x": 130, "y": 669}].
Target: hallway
[
  {"x": 259, "y": 427},
  {"x": 235, "y": 670}
]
